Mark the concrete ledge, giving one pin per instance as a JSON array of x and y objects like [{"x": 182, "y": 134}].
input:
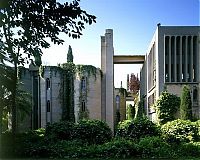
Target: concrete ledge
[{"x": 128, "y": 59}]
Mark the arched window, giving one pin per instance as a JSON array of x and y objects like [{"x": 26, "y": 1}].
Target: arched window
[
  {"x": 117, "y": 102},
  {"x": 47, "y": 83}
]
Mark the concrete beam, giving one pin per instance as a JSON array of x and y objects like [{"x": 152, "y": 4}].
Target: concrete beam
[{"x": 128, "y": 59}]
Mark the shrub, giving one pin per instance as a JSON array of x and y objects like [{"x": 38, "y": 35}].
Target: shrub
[
  {"x": 92, "y": 132},
  {"x": 191, "y": 149},
  {"x": 180, "y": 131},
  {"x": 117, "y": 148},
  {"x": 186, "y": 104},
  {"x": 137, "y": 128},
  {"x": 154, "y": 147},
  {"x": 198, "y": 126},
  {"x": 166, "y": 107},
  {"x": 130, "y": 112},
  {"x": 59, "y": 131},
  {"x": 16, "y": 147}
]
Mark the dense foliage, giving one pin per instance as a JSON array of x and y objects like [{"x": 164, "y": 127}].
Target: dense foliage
[
  {"x": 27, "y": 26},
  {"x": 130, "y": 112},
  {"x": 55, "y": 142},
  {"x": 166, "y": 107},
  {"x": 186, "y": 104},
  {"x": 92, "y": 132},
  {"x": 180, "y": 131},
  {"x": 137, "y": 128}
]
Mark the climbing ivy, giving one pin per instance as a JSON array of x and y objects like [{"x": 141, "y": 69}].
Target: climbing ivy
[
  {"x": 83, "y": 114},
  {"x": 85, "y": 71},
  {"x": 89, "y": 69},
  {"x": 67, "y": 71},
  {"x": 67, "y": 91},
  {"x": 123, "y": 91}
]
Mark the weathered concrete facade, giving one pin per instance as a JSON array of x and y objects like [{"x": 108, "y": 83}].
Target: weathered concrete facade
[
  {"x": 87, "y": 96},
  {"x": 172, "y": 60},
  {"x": 107, "y": 52},
  {"x": 47, "y": 95}
]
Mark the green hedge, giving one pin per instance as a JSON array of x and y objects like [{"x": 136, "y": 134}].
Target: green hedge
[
  {"x": 180, "y": 131},
  {"x": 92, "y": 132},
  {"x": 137, "y": 128}
]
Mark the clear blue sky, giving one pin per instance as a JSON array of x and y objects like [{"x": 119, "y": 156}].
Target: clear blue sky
[{"x": 133, "y": 23}]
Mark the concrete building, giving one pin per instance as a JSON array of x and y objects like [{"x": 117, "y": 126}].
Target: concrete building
[
  {"x": 51, "y": 101},
  {"x": 172, "y": 60}
]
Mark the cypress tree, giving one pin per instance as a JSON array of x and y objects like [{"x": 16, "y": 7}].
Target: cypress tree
[
  {"x": 70, "y": 56},
  {"x": 186, "y": 104}
]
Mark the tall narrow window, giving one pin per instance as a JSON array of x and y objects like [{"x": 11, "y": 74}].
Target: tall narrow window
[
  {"x": 47, "y": 83},
  {"x": 195, "y": 95},
  {"x": 83, "y": 84},
  {"x": 48, "y": 106},
  {"x": 83, "y": 108}
]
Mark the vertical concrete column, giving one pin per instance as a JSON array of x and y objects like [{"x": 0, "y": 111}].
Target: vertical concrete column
[
  {"x": 186, "y": 60},
  {"x": 103, "y": 84},
  {"x": 180, "y": 62},
  {"x": 107, "y": 68},
  {"x": 191, "y": 60},
  {"x": 175, "y": 64},
  {"x": 170, "y": 63}
]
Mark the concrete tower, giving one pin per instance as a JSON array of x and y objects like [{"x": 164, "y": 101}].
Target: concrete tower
[{"x": 107, "y": 52}]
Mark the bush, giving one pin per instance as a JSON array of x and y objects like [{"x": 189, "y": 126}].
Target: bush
[
  {"x": 186, "y": 104},
  {"x": 118, "y": 148},
  {"x": 154, "y": 147},
  {"x": 59, "y": 131},
  {"x": 166, "y": 107},
  {"x": 198, "y": 126},
  {"x": 191, "y": 149},
  {"x": 180, "y": 131},
  {"x": 92, "y": 132},
  {"x": 137, "y": 128},
  {"x": 12, "y": 147}
]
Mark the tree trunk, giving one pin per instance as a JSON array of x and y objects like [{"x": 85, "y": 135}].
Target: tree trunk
[
  {"x": 1, "y": 117},
  {"x": 14, "y": 108}
]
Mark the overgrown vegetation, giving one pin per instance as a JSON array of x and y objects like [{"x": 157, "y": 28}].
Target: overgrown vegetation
[
  {"x": 166, "y": 107},
  {"x": 137, "y": 128},
  {"x": 130, "y": 112},
  {"x": 93, "y": 139}
]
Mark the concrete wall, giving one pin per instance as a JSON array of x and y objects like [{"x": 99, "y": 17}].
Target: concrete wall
[
  {"x": 52, "y": 94},
  {"x": 122, "y": 104},
  {"x": 159, "y": 40},
  {"x": 93, "y": 98},
  {"x": 107, "y": 52},
  {"x": 25, "y": 85}
]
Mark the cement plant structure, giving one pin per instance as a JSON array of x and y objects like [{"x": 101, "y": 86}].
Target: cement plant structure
[{"x": 171, "y": 61}]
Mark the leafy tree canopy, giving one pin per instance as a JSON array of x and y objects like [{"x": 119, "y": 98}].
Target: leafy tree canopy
[{"x": 26, "y": 25}]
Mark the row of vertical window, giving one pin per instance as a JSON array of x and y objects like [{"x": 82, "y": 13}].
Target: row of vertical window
[
  {"x": 181, "y": 58},
  {"x": 151, "y": 68},
  {"x": 83, "y": 92}
]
